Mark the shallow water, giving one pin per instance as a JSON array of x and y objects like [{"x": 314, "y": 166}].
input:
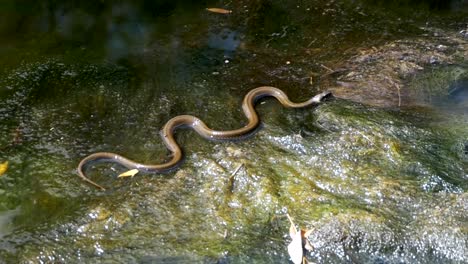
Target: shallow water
[{"x": 377, "y": 185}]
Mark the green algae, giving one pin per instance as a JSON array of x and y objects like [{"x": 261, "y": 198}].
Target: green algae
[
  {"x": 375, "y": 185},
  {"x": 361, "y": 169}
]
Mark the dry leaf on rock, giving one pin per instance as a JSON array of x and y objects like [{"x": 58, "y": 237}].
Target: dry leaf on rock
[
  {"x": 298, "y": 244},
  {"x": 307, "y": 245},
  {"x": 129, "y": 173},
  {"x": 3, "y": 167},
  {"x": 295, "y": 248},
  {"x": 219, "y": 10}
]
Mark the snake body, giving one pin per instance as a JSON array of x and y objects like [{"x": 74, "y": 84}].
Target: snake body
[{"x": 167, "y": 132}]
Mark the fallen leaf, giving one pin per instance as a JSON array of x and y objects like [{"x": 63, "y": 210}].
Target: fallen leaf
[
  {"x": 292, "y": 227},
  {"x": 129, "y": 173},
  {"x": 295, "y": 248},
  {"x": 308, "y": 246},
  {"x": 3, "y": 167},
  {"x": 299, "y": 243},
  {"x": 219, "y": 10}
]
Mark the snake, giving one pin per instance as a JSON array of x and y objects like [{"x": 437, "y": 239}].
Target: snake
[{"x": 167, "y": 133}]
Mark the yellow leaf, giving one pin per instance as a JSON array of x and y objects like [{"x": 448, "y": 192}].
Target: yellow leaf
[
  {"x": 219, "y": 10},
  {"x": 129, "y": 173},
  {"x": 3, "y": 167}
]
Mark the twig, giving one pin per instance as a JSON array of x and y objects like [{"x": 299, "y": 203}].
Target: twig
[
  {"x": 399, "y": 94},
  {"x": 236, "y": 170},
  {"x": 231, "y": 178},
  {"x": 312, "y": 42},
  {"x": 397, "y": 86},
  {"x": 326, "y": 68}
]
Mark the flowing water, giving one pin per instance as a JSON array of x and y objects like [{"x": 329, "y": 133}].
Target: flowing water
[{"x": 379, "y": 173}]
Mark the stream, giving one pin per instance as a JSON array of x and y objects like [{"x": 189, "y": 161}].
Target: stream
[{"x": 377, "y": 174}]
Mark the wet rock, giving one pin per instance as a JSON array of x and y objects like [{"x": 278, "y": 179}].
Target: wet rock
[
  {"x": 372, "y": 186},
  {"x": 458, "y": 91},
  {"x": 378, "y": 75}
]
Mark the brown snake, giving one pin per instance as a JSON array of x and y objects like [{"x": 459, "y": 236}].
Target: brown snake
[{"x": 167, "y": 132}]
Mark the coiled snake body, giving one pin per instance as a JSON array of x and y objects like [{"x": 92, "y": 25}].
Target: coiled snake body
[{"x": 167, "y": 132}]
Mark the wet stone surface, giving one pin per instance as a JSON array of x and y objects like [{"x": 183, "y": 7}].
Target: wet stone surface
[{"x": 379, "y": 173}]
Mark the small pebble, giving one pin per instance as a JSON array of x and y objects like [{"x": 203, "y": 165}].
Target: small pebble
[{"x": 442, "y": 47}]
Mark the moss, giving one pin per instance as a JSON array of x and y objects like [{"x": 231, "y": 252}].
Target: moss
[{"x": 433, "y": 86}]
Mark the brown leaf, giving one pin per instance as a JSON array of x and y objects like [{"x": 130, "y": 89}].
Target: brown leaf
[
  {"x": 308, "y": 246},
  {"x": 219, "y": 10}
]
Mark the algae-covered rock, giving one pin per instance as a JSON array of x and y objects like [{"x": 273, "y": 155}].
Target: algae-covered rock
[{"x": 370, "y": 184}]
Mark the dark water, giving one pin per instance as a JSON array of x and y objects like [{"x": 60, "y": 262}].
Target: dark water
[{"x": 378, "y": 185}]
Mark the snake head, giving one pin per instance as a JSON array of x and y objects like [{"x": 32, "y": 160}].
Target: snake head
[{"x": 323, "y": 96}]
